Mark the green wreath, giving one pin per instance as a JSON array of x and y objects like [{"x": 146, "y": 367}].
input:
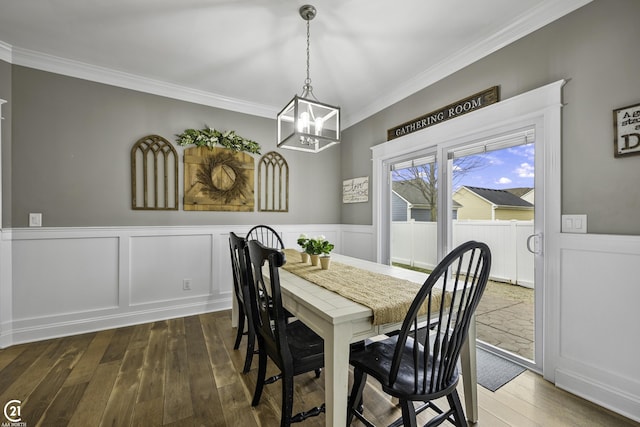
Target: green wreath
[{"x": 205, "y": 173}]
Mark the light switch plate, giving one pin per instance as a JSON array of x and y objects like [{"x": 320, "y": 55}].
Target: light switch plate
[
  {"x": 35, "y": 220},
  {"x": 574, "y": 223}
]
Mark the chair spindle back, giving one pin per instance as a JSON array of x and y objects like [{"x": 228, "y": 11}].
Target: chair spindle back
[
  {"x": 267, "y": 236},
  {"x": 463, "y": 274}
]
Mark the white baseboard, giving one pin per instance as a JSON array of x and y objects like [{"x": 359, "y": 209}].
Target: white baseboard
[
  {"x": 45, "y": 329},
  {"x": 602, "y": 394}
]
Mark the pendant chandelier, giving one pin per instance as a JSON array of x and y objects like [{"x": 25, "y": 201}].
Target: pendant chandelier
[{"x": 307, "y": 124}]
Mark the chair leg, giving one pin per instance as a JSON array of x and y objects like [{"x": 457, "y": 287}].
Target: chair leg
[
  {"x": 251, "y": 339},
  {"x": 408, "y": 413},
  {"x": 241, "y": 318},
  {"x": 355, "y": 398},
  {"x": 287, "y": 399},
  {"x": 458, "y": 412},
  {"x": 262, "y": 372}
]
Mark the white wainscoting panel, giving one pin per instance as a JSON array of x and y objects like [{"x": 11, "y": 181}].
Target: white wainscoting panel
[
  {"x": 64, "y": 276},
  {"x": 6, "y": 290},
  {"x": 160, "y": 264},
  {"x": 599, "y": 319},
  {"x": 64, "y": 281},
  {"x": 358, "y": 241},
  {"x": 67, "y": 281}
]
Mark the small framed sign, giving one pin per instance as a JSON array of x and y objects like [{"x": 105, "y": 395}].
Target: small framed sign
[
  {"x": 626, "y": 128},
  {"x": 355, "y": 190}
]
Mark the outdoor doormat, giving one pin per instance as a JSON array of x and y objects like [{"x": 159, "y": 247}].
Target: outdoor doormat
[{"x": 494, "y": 371}]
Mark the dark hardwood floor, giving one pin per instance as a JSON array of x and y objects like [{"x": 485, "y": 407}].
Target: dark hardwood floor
[{"x": 184, "y": 372}]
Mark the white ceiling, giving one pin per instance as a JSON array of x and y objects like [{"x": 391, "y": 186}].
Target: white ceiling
[{"x": 250, "y": 55}]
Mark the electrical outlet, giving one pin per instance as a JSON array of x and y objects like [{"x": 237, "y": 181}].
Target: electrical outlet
[{"x": 186, "y": 284}]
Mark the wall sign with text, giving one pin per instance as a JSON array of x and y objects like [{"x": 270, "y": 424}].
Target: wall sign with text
[
  {"x": 355, "y": 190},
  {"x": 626, "y": 127},
  {"x": 451, "y": 111}
]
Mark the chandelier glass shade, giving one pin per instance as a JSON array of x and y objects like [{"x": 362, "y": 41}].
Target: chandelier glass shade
[{"x": 306, "y": 124}]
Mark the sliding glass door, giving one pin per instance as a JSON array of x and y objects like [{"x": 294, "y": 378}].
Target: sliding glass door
[{"x": 480, "y": 189}]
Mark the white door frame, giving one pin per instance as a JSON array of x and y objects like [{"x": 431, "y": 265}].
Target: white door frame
[
  {"x": 540, "y": 108},
  {"x": 6, "y": 286}
]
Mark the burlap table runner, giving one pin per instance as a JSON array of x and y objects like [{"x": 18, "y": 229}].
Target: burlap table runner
[{"x": 388, "y": 297}]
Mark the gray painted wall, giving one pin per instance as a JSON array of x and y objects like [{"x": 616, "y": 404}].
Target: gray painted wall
[
  {"x": 70, "y": 155},
  {"x": 596, "y": 48},
  {"x": 5, "y": 93}
]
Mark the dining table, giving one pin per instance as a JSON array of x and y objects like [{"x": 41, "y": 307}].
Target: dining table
[{"x": 340, "y": 321}]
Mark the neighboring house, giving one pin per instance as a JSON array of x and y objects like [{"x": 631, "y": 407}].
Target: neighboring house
[
  {"x": 529, "y": 196},
  {"x": 525, "y": 193},
  {"x": 519, "y": 191},
  {"x": 490, "y": 204},
  {"x": 408, "y": 203}
]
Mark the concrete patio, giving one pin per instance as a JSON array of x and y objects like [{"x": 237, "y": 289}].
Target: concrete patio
[{"x": 505, "y": 319}]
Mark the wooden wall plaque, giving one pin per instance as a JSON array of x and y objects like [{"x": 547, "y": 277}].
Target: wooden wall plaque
[
  {"x": 451, "y": 111},
  {"x": 626, "y": 128},
  {"x": 218, "y": 179},
  {"x": 154, "y": 174}
]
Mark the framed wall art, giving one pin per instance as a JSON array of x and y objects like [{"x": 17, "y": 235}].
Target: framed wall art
[
  {"x": 154, "y": 174},
  {"x": 273, "y": 183},
  {"x": 355, "y": 190},
  {"x": 218, "y": 179},
  {"x": 626, "y": 128}
]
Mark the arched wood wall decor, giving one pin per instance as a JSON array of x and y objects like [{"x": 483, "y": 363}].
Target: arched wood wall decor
[
  {"x": 154, "y": 174},
  {"x": 273, "y": 183},
  {"x": 218, "y": 179}
]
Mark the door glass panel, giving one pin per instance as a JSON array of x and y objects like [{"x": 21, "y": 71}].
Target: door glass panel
[
  {"x": 414, "y": 213},
  {"x": 493, "y": 197}
]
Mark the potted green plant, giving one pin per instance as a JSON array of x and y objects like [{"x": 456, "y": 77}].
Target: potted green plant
[
  {"x": 303, "y": 239},
  {"x": 325, "y": 257},
  {"x": 318, "y": 246}
]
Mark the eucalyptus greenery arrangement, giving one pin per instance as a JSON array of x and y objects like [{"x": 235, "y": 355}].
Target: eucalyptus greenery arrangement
[{"x": 209, "y": 137}]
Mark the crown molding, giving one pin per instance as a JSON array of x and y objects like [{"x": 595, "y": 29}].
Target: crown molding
[
  {"x": 5, "y": 52},
  {"x": 81, "y": 70},
  {"x": 537, "y": 18}
]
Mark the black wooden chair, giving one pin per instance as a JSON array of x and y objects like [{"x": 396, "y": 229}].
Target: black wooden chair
[
  {"x": 292, "y": 346},
  {"x": 266, "y": 235},
  {"x": 237, "y": 246},
  {"x": 415, "y": 366}
]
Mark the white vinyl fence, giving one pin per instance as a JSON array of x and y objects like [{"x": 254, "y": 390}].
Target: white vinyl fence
[{"x": 414, "y": 243}]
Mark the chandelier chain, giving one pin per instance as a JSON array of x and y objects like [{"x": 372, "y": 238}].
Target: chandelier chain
[
  {"x": 308, "y": 81},
  {"x": 307, "y": 89}
]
